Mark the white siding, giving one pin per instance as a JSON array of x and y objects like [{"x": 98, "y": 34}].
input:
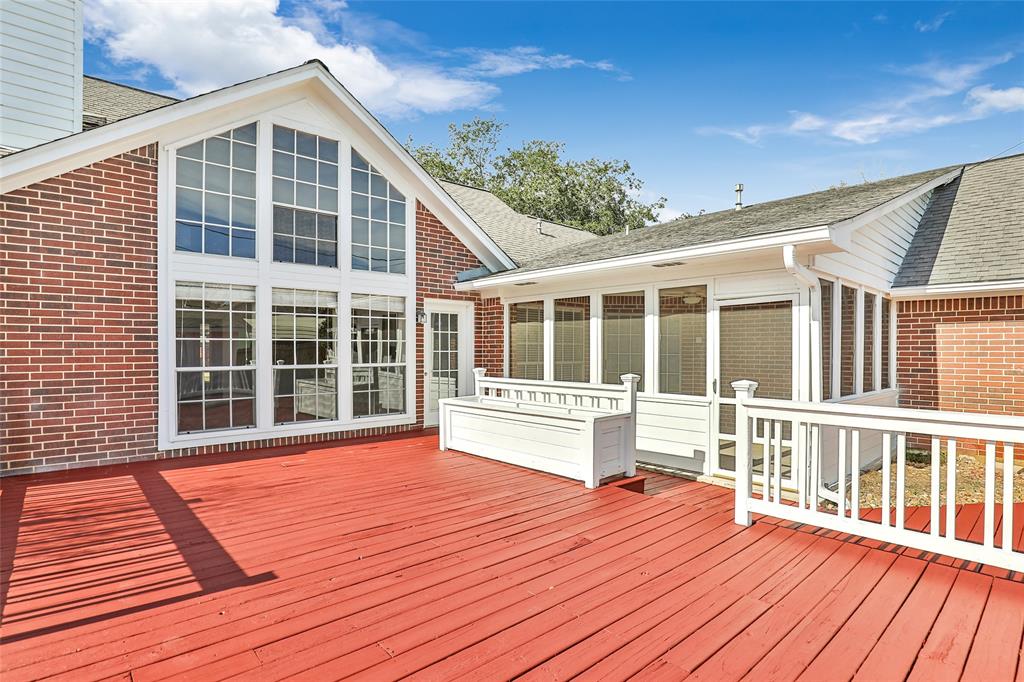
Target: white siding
[
  {"x": 877, "y": 248},
  {"x": 40, "y": 71}
]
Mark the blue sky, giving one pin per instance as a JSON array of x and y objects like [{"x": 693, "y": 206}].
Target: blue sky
[{"x": 786, "y": 98}]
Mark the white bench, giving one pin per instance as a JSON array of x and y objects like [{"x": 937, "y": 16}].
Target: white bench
[{"x": 586, "y": 432}]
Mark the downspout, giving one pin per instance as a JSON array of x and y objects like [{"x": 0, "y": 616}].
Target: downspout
[{"x": 797, "y": 269}]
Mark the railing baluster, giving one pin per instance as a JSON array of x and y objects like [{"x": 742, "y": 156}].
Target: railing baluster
[
  {"x": 951, "y": 489},
  {"x": 778, "y": 461},
  {"x": 1008, "y": 497},
  {"x": 886, "y": 477},
  {"x": 990, "y": 492},
  {"x": 765, "y": 460},
  {"x": 798, "y": 462},
  {"x": 901, "y": 475},
  {"x": 934, "y": 498},
  {"x": 842, "y": 474},
  {"x": 814, "y": 467},
  {"x": 855, "y": 474}
]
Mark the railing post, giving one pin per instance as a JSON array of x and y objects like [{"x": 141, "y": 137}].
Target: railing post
[
  {"x": 478, "y": 374},
  {"x": 744, "y": 390},
  {"x": 630, "y": 381}
]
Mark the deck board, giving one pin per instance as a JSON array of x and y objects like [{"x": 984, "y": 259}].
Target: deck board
[{"x": 383, "y": 559}]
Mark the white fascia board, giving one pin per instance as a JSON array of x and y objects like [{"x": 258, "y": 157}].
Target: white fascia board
[
  {"x": 807, "y": 235},
  {"x": 1009, "y": 286},
  {"x": 75, "y": 151},
  {"x": 842, "y": 231}
]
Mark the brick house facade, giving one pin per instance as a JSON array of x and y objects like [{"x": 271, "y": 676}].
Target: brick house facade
[{"x": 79, "y": 384}]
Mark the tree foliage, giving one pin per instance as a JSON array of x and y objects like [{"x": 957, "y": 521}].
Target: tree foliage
[{"x": 536, "y": 179}]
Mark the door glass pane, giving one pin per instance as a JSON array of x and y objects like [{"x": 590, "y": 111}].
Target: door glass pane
[
  {"x": 622, "y": 337},
  {"x": 756, "y": 343},
  {"x": 443, "y": 381}
]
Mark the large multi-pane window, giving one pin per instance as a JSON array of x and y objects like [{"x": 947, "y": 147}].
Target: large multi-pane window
[
  {"x": 215, "y": 333},
  {"x": 305, "y": 193},
  {"x": 304, "y": 332},
  {"x": 682, "y": 340},
  {"x": 622, "y": 338},
  {"x": 378, "y": 220},
  {"x": 826, "y": 338},
  {"x": 378, "y": 355},
  {"x": 526, "y": 340},
  {"x": 572, "y": 339},
  {"x": 215, "y": 194}
]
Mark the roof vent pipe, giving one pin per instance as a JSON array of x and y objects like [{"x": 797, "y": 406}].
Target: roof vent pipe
[
  {"x": 540, "y": 227},
  {"x": 739, "y": 195}
]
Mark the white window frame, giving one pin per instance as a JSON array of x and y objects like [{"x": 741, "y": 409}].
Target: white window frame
[{"x": 265, "y": 274}]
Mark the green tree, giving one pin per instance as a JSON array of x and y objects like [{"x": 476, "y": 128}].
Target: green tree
[{"x": 536, "y": 179}]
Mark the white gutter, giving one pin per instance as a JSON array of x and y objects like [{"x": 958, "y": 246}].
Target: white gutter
[
  {"x": 960, "y": 289},
  {"x": 795, "y": 268},
  {"x": 806, "y": 235}
]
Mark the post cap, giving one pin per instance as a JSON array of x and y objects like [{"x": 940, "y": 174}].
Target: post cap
[
  {"x": 747, "y": 386},
  {"x": 479, "y": 371},
  {"x": 629, "y": 378}
]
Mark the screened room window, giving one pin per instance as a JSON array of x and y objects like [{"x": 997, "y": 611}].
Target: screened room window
[
  {"x": 868, "y": 366},
  {"x": 622, "y": 337},
  {"x": 215, "y": 195},
  {"x": 378, "y": 355},
  {"x": 304, "y": 333},
  {"x": 378, "y": 220},
  {"x": 215, "y": 333},
  {"x": 305, "y": 190},
  {"x": 826, "y": 338},
  {"x": 682, "y": 340},
  {"x": 848, "y": 340},
  {"x": 886, "y": 341},
  {"x": 526, "y": 340},
  {"x": 572, "y": 339}
]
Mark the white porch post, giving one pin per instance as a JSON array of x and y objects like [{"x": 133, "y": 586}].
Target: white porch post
[
  {"x": 744, "y": 390},
  {"x": 478, "y": 374},
  {"x": 630, "y": 381}
]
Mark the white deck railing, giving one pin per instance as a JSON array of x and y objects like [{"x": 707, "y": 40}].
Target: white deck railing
[{"x": 827, "y": 430}]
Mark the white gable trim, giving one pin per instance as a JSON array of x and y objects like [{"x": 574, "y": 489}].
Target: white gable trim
[
  {"x": 842, "y": 231},
  {"x": 75, "y": 151}
]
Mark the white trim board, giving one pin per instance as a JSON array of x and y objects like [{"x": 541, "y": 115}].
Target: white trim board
[{"x": 1010, "y": 286}]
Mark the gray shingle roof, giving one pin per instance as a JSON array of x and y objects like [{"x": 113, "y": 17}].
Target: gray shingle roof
[
  {"x": 104, "y": 102},
  {"x": 515, "y": 233},
  {"x": 972, "y": 230},
  {"x": 807, "y": 210}
]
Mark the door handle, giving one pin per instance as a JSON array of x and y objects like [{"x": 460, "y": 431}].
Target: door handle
[{"x": 714, "y": 386}]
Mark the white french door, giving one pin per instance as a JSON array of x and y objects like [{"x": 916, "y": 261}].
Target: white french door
[
  {"x": 756, "y": 340},
  {"x": 447, "y": 354}
]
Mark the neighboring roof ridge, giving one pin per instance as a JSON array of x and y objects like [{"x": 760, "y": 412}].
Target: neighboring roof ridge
[
  {"x": 132, "y": 87},
  {"x": 545, "y": 220}
]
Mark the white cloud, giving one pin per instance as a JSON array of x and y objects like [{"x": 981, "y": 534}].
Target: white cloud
[
  {"x": 523, "y": 59},
  {"x": 933, "y": 24},
  {"x": 926, "y": 103},
  {"x": 202, "y": 45}
]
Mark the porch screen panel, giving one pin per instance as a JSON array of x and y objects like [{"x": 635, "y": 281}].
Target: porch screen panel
[
  {"x": 526, "y": 340},
  {"x": 886, "y": 342},
  {"x": 682, "y": 340},
  {"x": 379, "y": 351},
  {"x": 868, "y": 367},
  {"x": 826, "y": 338},
  {"x": 847, "y": 341},
  {"x": 622, "y": 337},
  {"x": 215, "y": 330},
  {"x": 572, "y": 339},
  {"x": 305, "y": 355}
]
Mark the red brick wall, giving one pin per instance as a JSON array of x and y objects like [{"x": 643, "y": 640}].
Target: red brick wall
[
  {"x": 962, "y": 354},
  {"x": 78, "y": 310}
]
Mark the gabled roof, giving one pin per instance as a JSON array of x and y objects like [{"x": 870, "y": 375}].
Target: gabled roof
[
  {"x": 973, "y": 229},
  {"x": 105, "y": 102},
  {"x": 817, "y": 209},
  {"x": 515, "y": 233},
  {"x": 89, "y": 146}
]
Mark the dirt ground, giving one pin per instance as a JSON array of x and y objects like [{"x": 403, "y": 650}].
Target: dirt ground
[{"x": 970, "y": 483}]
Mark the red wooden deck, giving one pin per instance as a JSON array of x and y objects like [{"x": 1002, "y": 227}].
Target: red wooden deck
[{"x": 390, "y": 559}]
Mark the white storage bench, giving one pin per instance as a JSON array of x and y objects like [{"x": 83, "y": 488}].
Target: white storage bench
[{"x": 585, "y": 432}]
